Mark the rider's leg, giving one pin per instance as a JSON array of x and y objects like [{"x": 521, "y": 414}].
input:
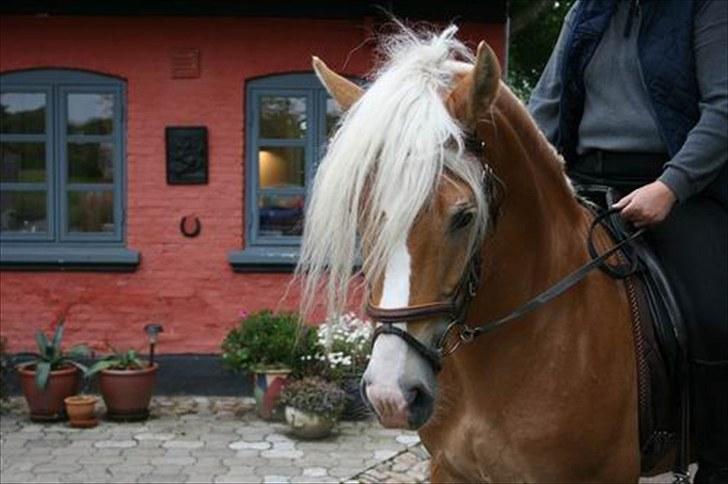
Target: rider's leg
[{"x": 692, "y": 245}]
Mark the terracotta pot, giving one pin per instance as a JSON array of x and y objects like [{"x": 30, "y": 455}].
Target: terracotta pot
[
  {"x": 267, "y": 387},
  {"x": 127, "y": 393},
  {"x": 46, "y": 405},
  {"x": 81, "y": 410},
  {"x": 307, "y": 425}
]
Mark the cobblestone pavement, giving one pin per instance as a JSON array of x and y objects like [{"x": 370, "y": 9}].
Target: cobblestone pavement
[
  {"x": 206, "y": 439},
  {"x": 191, "y": 439}
]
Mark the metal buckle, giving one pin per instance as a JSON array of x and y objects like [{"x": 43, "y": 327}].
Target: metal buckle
[{"x": 465, "y": 335}]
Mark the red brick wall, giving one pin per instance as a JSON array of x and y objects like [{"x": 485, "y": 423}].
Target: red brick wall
[{"x": 186, "y": 284}]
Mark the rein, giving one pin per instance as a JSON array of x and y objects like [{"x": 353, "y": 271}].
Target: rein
[{"x": 456, "y": 307}]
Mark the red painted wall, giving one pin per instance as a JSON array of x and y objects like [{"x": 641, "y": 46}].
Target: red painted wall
[{"x": 186, "y": 284}]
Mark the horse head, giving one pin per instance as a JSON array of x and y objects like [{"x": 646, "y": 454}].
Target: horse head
[{"x": 401, "y": 178}]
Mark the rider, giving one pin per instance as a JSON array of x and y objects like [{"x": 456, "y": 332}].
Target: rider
[{"x": 635, "y": 96}]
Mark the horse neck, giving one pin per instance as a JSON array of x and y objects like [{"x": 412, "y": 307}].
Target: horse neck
[{"x": 540, "y": 235}]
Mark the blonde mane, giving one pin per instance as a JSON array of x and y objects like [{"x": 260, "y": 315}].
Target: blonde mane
[{"x": 383, "y": 164}]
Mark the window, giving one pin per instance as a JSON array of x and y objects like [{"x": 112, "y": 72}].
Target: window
[
  {"x": 288, "y": 121},
  {"x": 62, "y": 170}
]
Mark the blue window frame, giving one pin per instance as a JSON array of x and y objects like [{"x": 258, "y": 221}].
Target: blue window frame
[
  {"x": 62, "y": 179},
  {"x": 288, "y": 120}
]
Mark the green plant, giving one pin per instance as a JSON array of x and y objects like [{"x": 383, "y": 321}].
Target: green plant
[
  {"x": 118, "y": 360},
  {"x": 314, "y": 395},
  {"x": 51, "y": 356},
  {"x": 267, "y": 340}
]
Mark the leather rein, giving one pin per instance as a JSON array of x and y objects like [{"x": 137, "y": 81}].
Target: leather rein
[{"x": 455, "y": 308}]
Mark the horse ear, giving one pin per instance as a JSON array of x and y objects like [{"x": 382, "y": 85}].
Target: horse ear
[
  {"x": 476, "y": 90},
  {"x": 344, "y": 92}
]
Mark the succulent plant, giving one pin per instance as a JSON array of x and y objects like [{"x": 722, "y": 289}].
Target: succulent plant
[{"x": 51, "y": 355}]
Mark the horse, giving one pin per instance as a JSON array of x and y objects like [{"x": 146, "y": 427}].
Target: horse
[{"x": 440, "y": 182}]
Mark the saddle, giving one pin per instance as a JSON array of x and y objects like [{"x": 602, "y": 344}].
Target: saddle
[{"x": 660, "y": 342}]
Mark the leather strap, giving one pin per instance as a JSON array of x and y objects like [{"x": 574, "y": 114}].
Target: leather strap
[
  {"x": 411, "y": 313},
  {"x": 433, "y": 356}
]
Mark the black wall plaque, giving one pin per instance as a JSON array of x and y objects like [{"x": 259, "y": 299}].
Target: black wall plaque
[{"x": 186, "y": 155}]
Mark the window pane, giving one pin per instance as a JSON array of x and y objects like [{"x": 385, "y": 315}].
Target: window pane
[
  {"x": 90, "y": 113},
  {"x": 333, "y": 113},
  {"x": 91, "y": 211},
  {"x": 280, "y": 215},
  {"x": 90, "y": 162},
  {"x": 282, "y": 117},
  {"x": 281, "y": 167},
  {"x": 22, "y": 112},
  {"x": 23, "y": 212},
  {"x": 22, "y": 162}
]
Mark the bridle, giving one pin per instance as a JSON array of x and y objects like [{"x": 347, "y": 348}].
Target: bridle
[{"x": 455, "y": 307}]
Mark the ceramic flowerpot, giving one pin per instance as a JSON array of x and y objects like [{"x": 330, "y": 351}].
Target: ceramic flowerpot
[
  {"x": 307, "y": 425},
  {"x": 127, "y": 393},
  {"x": 81, "y": 410},
  {"x": 268, "y": 385},
  {"x": 46, "y": 405}
]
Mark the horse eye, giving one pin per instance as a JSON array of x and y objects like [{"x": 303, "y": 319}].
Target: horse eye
[{"x": 461, "y": 220}]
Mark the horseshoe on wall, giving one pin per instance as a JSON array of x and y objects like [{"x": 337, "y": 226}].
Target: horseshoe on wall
[{"x": 187, "y": 230}]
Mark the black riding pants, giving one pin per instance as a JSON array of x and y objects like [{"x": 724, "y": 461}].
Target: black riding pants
[{"x": 692, "y": 245}]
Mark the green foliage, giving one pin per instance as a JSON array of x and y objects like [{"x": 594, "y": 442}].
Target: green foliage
[
  {"x": 532, "y": 41},
  {"x": 118, "y": 360},
  {"x": 314, "y": 395},
  {"x": 266, "y": 340},
  {"x": 51, "y": 356}
]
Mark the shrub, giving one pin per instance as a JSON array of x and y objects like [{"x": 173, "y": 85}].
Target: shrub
[
  {"x": 266, "y": 340},
  {"x": 314, "y": 395}
]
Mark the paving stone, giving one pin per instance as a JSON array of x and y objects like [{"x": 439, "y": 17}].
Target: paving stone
[
  {"x": 183, "y": 444},
  {"x": 162, "y": 478},
  {"x": 276, "y": 479},
  {"x": 408, "y": 439},
  {"x": 153, "y": 436},
  {"x": 282, "y": 454},
  {"x": 315, "y": 472},
  {"x": 245, "y": 445},
  {"x": 116, "y": 444},
  {"x": 172, "y": 461}
]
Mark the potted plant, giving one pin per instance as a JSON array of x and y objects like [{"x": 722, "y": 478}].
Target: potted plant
[
  {"x": 81, "y": 410},
  {"x": 268, "y": 346},
  {"x": 312, "y": 407},
  {"x": 126, "y": 383},
  {"x": 344, "y": 344},
  {"x": 51, "y": 376}
]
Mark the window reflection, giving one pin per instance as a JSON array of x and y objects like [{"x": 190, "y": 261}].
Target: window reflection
[
  {"x": 22, "y": 113},
  {"x": 281, "y": 215},
  {"x": 282, "y": 117},
  {"x": 91, "y": 211},
  {"x": 90, "y": 113},
  {"x": 90, "y": 162},
  {"x": 22, "y": 162},
  {"x": 22, "y": 211}
]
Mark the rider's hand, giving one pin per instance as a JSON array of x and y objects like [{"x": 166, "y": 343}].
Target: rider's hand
[{"x": 647, "y": 205}]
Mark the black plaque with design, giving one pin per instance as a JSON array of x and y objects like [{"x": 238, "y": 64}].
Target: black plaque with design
[{"x": 186, "y": 155}]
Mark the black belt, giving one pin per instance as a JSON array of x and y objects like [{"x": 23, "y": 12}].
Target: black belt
[{"x": 617, "y": 169}]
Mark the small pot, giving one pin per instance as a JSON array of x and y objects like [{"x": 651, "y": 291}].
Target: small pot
[
  {"x": 127, "y": 393},
  {"x": 307, "y": 425},
  {"x": 81, "y": 410},
  {"x": 268, "y": 385},
  {"x": 46, "y": 405}
]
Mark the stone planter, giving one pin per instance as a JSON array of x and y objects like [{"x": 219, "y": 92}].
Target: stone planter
[
  {"x": 81, "y": 411},
  {"x": 268, "y": 385},
  {"x": 309, "y": 426},
  {"x": 127, "y": 393},
  {"x": 46, "y": 405}
]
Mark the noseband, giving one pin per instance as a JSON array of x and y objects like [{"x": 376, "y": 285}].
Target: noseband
[{"x": 455, "y": 308}]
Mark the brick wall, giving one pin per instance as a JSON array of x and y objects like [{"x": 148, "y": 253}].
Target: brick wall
[{"x": 186, "y": 284}]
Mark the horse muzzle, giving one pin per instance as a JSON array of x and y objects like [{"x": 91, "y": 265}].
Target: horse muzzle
[{"x": 404, "y": 406}]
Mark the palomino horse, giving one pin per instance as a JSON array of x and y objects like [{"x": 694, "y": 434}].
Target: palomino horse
[{"x": 549, "y": 397}]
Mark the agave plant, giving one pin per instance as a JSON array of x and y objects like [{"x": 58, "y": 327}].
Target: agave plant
[
  {"x": 51, "y": 356},
  {"x": 118, "y": 360}
]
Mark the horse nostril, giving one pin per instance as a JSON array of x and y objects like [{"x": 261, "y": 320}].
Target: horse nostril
[{"x": 420, "y": 403}]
